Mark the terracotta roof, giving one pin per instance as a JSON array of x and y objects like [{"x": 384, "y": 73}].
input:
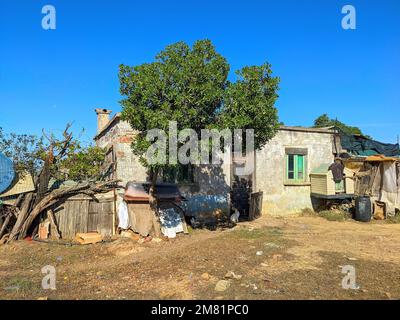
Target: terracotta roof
[{"x": 380, "y": 158}]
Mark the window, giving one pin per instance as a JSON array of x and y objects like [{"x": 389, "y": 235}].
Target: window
[{"x": 295, "y": 168}]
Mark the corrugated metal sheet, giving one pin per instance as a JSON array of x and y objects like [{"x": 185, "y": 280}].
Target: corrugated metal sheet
[{"x": 23, "y": 184}]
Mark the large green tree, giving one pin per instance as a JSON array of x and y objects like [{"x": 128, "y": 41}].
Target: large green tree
[
  {"x": 249, "y": 103},
  {"x": 183, "y": 84},
  {"x": 190, "y": 85}
]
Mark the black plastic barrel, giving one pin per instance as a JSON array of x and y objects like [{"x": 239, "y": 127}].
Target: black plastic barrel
[{"x": 363, "y": 209}]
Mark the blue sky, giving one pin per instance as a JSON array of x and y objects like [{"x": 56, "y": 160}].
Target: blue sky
[{"x": 48, "y": 78}]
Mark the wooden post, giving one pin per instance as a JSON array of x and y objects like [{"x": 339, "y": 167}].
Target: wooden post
[{"x": 53, "y": 224}]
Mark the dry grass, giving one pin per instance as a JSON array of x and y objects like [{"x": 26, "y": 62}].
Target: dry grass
[
  {"x": 330, "y": 215},
  {"x": 394, "y": 220},
  {"x": 286, "y": 258}
]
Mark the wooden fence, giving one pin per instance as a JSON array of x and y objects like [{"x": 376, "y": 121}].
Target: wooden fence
[{"x": 85, "y": 214}]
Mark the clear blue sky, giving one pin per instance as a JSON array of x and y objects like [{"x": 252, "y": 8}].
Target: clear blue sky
[{"x": 50, "y": 77}]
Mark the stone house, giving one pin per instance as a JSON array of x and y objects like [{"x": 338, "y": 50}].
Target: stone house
[
  {"x": 281, "y": 172},
  {"x": 283, "y": 167},
  {"x": 206, "y": 187}
]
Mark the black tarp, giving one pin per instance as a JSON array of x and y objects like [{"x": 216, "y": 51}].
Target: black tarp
[{"x": 362, "y": 146}]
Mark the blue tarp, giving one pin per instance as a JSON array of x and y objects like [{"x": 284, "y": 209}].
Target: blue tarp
[{"x": 7, "y": 173}]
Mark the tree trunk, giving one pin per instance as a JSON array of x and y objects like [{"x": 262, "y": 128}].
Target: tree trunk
[
  {"x": 153, "y": 201},
  {"x": 5, "y": 224},
  {"x": 43, "y": 181},
  {"x": 153, "y": 198},
  {"x": 23, "y": 213}
]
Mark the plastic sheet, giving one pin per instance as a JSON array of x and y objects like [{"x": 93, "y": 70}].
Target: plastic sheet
[
  {"x": 123, "y": 216},
  {"x": 359, "y": 145}
]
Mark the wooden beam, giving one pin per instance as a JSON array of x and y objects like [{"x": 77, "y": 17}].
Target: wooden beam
[{"x": 53, "y": 223}]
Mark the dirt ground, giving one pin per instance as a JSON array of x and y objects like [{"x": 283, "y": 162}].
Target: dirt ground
[{"x": 271, "y": 258}]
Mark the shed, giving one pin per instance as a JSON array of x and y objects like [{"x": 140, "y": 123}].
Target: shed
[
  {"x": 82, "y": 214},
  {"x": 379, "y": 178}
]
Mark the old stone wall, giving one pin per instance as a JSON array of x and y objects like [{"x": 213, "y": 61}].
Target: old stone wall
[
  {"x": 209, "y": 192},
  {"x": 119, "y": 136},
  {"x": 212, "y": 183}
]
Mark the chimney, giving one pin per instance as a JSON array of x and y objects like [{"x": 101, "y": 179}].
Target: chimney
[{"x": 103, "y": 117}]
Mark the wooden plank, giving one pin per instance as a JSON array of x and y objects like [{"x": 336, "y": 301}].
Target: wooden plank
[
  {"x": 54, "y": 227},
  {"x": 88, "y": 238},
  {"x": 106, "y": 219},
  {"x": 78, "y": 213},
  {"x": 71, "y": 218},
  {"x": 62, "y": 220},
  {"x": 85, "y": 216},
  {"x": 92, "y": 216}
]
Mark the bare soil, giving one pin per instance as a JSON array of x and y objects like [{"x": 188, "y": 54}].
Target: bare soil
[{"x": 273, "y": 258}]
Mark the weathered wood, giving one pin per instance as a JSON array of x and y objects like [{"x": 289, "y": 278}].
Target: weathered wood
[
  {"x": 26, "y": 205},
  {"x": 5, "y": 224},
  {"x": 92, "y": 217},
  {"x": 4, "y": 238},
  {"x": 52, "y": 198},
  {"x": 82, "y": 215},
  {"x": 88, "y": 238},
  {"x": 256, "y": 200},
  {"x": 54, "y": 227}
]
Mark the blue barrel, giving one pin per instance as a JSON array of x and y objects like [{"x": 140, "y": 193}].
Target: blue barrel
[
  {"x": 363, "y": 209},
  {"x": 7, "y": 173}
]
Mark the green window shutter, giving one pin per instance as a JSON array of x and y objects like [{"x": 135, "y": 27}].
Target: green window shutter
[
  {"x": 295, "y": 167},
  {"x": 300, "y": 167}
]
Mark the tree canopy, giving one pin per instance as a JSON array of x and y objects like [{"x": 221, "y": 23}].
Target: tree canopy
[
  {"x": 324, "y": 121},
  {"x": 24, "y": 150},
  {"x": 249, "y": 103},
  {"x": 69, "y": 159},
  {"x": 190, "y": 85}
]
